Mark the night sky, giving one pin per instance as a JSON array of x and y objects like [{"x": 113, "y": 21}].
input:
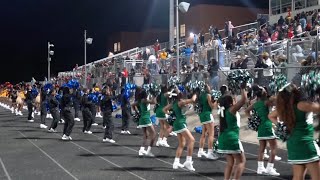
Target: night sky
[{"x": 27, "y": 26}]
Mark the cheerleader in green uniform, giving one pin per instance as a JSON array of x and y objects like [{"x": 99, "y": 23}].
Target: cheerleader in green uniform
[
  {"x": 207, "y": 120},
  {"x": 180, "y": 127},
  {"x": 228, "y": 141},
  {"x": 142, "y": 106},
  {"x": 303, "y": 152},
  {"x": 162, "y": 101},
  {"x": 265, "y": 131}
]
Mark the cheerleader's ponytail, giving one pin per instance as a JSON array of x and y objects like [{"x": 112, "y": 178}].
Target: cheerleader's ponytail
[{"x": 225, "y": 103}]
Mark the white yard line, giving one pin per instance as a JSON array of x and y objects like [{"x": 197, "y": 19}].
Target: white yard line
[
  {"x": 51, "y": 158},
  {"x": 5, "y": 170}
]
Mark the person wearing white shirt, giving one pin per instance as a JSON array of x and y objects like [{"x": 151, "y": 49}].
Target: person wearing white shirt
[
  {"x": 267, "y": 71},
  {"x": 297, "y": 54}
]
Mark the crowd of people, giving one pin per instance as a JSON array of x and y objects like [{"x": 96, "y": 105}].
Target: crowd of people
[
  {"x": 171, "y": 104},
  {"x": 64, "y": 103}
]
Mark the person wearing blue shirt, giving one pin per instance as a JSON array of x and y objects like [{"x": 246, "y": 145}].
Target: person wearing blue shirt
[
  {"x": 126, "y": 112},
  {"x": 187, "y": 52}
]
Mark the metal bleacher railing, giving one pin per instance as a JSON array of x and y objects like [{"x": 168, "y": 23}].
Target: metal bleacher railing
[
  {"x": 295, "y": 49},
  {"x": 219, "y": 78},
  {"x": 132, "y": 54}
]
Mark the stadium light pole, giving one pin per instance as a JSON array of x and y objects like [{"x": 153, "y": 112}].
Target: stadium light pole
[
  {"x": 171, "y": 23},
  {"x": 183, "y": 7},
  {"x": 86, "y": 41},
  {"x": 50, "y": 53}
]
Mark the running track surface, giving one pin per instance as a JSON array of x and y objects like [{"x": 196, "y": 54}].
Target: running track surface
[{"x": 28, "y": 153}]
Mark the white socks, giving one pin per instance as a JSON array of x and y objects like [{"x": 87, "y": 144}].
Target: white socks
[
  {"x": 210, "y": 151},
  {"x": 200, "y": 149},
  {"x": 189, "y": 158},
  {"x": 141, "y": 148},
  {"x": 177, "y": 160},
  {"x": 260, "y": 164},
  {"x": 149, "y": 149},
  {"x": 164, "y": 139},
  {"x": 270, "y": 166}
]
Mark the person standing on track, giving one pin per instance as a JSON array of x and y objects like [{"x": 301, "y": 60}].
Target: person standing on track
[
  {"x": 43, "y": 108},
  {"x": 162, "y": 101},
  {"x": 207, "y": 121},
  {"x": 106, "y": 108},
  {"x": 180, "y": 127},
  {"x": 54, "y": 110},
  {"x": 297, "y": 115},
  {"x": 86, "y": 112},
  {"x": 228, "y": 141},
  {"x": 265, "y": 130},
  {"x": 14, "y": 95},
  {"x": 29, "y": 101},
  {"x": 76, "y": 103},
  {"x": 126, "y": 112},
  {"x": 66, "y": 107},
  {"x": 142, "y": 106},
  {"x": 93, "y": 110}
]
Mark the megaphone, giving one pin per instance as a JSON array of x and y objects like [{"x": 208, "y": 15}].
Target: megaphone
[{"x": 184, "y": 7}]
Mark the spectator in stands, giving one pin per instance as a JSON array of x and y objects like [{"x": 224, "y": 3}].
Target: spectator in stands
[
  {"x": 239, "y": 41},
  {"x": 156, "y": 47},
  {"x": 290, "y": 32},
  {"x": 226, "y": 29},
  {"x": 314, "y": 17},
  {"x": 213, "y": 71},
  {"x": 163, "y": 58},
  {"x": 146, "y": 76},
  {"x": 259, "y": 73},
  {"x": 195, "y": 43},
  {"x": 299, "y": 29},
  {"x": 195, "y": 68},
  {"x": 188, "y": 52},
  {"x": 297, "y": 54},
  {"x": 267, "y": 73},
  {"x": 230, "y": 27},
  {"x": 211, "y": 31},
  {"x": 115, "y": 87},
  {"x": 303, "y": 21},
  {"x": 229, "y": 44},
  {"x": 201, "y": 38},
  {"x": 224, "y": 45},
  {"x": 281, "y": 21},
  {"x": 239, "y": 63},
  {"x": 131, "y": 75},
  {"x": 282, "y": 65}
]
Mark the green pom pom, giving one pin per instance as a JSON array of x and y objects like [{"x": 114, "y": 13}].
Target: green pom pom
[
  {"x": 174, "y": 81},
  {"x": 216, "y": 94},
  {"x": 277, "y": 82},
  {"x": 193, "y": 85},
  {"x": 155, "y": 89},
  {"x": 236, "y": 78},
  {"x": 310, "y": 82}
]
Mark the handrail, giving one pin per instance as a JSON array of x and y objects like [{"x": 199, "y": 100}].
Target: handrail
[
  {"x": 221, "y": 30},
  {"x": 254, "y": 29},
  {"x": 263, "y": 25},
  {"x": 113, "y": 56}
]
